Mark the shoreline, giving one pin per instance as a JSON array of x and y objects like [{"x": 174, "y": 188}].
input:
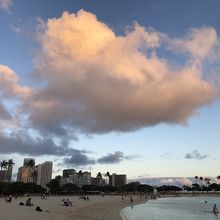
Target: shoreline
[{"x": 109, "y": 209}]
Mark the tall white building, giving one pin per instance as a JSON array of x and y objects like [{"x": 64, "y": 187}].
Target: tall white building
[
  {"x": 44, "y": 173},
  {"x": 79, "y": 180}
]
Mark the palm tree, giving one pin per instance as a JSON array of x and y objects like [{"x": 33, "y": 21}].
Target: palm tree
[
  {"x": 196, "y": 178},
  {"x": 208, "y": 181},
  {"x": 11, "y": 162},
  {"x": 218, "y": 178},
  {"x": 184, "y": 187},
  {"x": 80, "y": 174},
  {"x": 4, "y": 167},
  {"x": 55, "y": 184},
  {"x": 99, "y": 176},
  {"x": 30, "y": 164},
  {"x": 201, "y": 179}
]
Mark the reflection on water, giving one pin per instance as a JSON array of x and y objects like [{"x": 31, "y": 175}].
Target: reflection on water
[{"x": 178, "y": 208}]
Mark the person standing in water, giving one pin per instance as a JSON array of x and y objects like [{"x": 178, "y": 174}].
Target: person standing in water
[
  {"x": 131, "y": 199},
  {"x": 215, "y": 210}
]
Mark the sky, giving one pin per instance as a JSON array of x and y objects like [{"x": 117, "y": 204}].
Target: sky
[{"x": 120, "y": 86}]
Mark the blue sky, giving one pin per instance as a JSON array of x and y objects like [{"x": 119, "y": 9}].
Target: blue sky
[{"x": 71, "y": 107}]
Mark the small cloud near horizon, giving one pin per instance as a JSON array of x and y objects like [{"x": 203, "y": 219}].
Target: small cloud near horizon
[
  {"x": 196, "y": 155},
  {"x": 115, "y": 157}
]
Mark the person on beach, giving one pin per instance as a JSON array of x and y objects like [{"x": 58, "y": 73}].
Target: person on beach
[
  {"x": 38, "y": 209},
  {"x": 9, "y": 199},
  {"x": 66, "y": 202},
  {"x": 28, "y": 202},
  {"x": 215, "y": 210}
]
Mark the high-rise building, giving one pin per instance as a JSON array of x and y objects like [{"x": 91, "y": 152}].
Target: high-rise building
[
  {"x": 117, "y": 180},
  {"x": 68, "y": 172},
  {"x": 97, "y": 181},
  {"x": 44, "y": 173},
  {"x": 9, "y": 172},
  {"x": 79, "y": 180},
  {"x": 26, "y": 171},
  {"x": 19, "y": 175},
  {"x": 2, "y": 175},
  {"x": 40, "y": 174}
]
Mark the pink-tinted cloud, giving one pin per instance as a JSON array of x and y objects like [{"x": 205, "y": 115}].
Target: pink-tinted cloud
[
  {"x": 9, "y": 84},
  {"x": 12, "y": 94},
  {"x": 5, "y": 4},
  {"x": 99, "y": 82},
  {"x": 200, "y": 43}
]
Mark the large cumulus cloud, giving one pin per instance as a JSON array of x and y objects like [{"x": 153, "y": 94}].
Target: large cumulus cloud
[
  {"x": 98, "y": 82},
  {"x": 95, "y": 81}
]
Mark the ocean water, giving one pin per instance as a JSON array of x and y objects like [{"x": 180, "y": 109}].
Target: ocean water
[{"x": 177, "y": 208}]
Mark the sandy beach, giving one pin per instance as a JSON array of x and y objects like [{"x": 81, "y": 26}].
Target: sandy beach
[{"x": 97, "y": 208}]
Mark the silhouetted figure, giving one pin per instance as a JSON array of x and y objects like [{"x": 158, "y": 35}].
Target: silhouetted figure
[
  {"x": 215, "y": 210},
  {"x": 38, "y": 209},
  {"x": 131, "y": 199},
  {"x": 28, "y": 202}
]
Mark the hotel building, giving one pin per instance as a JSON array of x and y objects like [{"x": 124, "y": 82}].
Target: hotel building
[
  {"x": 43, "y": 173},
  {"x": 117, "y": 180}
]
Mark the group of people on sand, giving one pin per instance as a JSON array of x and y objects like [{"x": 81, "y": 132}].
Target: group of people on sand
[
  {"x": 86, "y": 198},
  {"x": 66, "y": 202},
  {"x": 43, "y": 196}
]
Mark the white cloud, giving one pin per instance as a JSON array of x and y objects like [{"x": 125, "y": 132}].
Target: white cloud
[
  {"x": 175, "y": 181},
  {"x": 99, "y": 82}
]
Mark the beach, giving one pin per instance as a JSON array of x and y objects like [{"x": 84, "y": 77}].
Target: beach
[{"x": 97, "y": 208}]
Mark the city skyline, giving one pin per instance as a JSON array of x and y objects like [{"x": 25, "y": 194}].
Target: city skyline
[{"x": 91, "y": 88}]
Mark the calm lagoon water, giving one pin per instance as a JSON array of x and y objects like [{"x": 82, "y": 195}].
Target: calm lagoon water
[{"x": 178, "y": 208}]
